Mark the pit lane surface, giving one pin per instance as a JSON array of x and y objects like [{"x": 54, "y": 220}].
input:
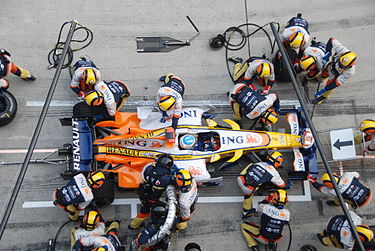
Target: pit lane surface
[{"x": 115, "y": 25}]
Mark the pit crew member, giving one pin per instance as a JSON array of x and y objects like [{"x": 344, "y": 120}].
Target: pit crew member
[
  {"x": 338, "y": 233},
  {"x": 353, "y": 191},
  {"x": 254, "y": 67},
  {"x": 313, "y": 61},
  {"x": 92, "y": 225},
  {"x": 339, "y": 69},
  {"x": 158, "y": 218},
  {"x": 187, "y": 197},
  {"x": 77, "y": 194},
  {"x": 368, "y": 128},
  {"x": 247, "y": 102},
  {"x": 107, "y": 242},
  {"x": 6, "y": 66},
  {"x": 85, "y": 76},
  {"x": 272, "y": 220},
  {"x": 112, "y": 95},
  {"x": 156, "y": 177},
  {"x": 257, "y": 174},
  {"x": 170, "y": 97},
  {"x": 296, "y": 34}
]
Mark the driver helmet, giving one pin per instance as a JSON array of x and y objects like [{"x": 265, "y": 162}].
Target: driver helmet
[
  {"x": 89, "y": 76},
  {"x": 94, "y": 98},
  {"x": 264, "y": 70},
  {"x": 187, "y": 141},
  {"x": 296, "y": 40}
]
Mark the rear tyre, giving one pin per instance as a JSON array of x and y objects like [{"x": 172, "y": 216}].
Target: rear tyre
[
  {"x": 106, "y": 193},
  {"x": 281, "y": 72},
  {"x": 8, "y": 108}
]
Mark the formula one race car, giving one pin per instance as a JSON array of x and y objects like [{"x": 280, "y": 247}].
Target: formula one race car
[{"x": 124, "y": 146}]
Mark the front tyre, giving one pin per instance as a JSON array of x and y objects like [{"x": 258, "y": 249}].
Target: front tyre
[{"x": 8, "y": 108}]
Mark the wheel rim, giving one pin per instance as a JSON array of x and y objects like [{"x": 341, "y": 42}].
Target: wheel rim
[{"x": 3, "y": 104}]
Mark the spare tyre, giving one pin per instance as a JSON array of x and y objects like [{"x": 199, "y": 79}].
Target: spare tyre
[{"x": 8, "y": 107}]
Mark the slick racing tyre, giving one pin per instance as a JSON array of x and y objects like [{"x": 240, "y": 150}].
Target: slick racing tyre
[
  {"x": 106, "y": 193},
  {"x": 281, "y": 73},
  {"x": 8, "y": 107}
]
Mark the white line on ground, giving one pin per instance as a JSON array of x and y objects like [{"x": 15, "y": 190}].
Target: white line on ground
[
  {"x": 133, "y": 202},
  {"x": 152, "y": 103},
  {"x": 51, "y": 150}
]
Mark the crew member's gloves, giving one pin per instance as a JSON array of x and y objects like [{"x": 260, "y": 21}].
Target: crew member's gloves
[
  {"x": 266, "y": 90},
  {"x": 289, "y": 185},
  {"x": 4, "y": 52},
  {"x": 296, "y": 64},
  {"x": 82, "y": 95},
  {"x": 326, "y": 56},
  {"x": 318, "y": 93},
  {"x": 311, "y": 179},
  {"x": 163, "y": 119}
]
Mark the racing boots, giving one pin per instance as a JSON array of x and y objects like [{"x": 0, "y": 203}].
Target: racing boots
[
  {"x": 248, "y": 213},
  {"x": 236, "y": 60},
  {"x": 137, "y": 222},
  {"x": 319, "y": 100},
  {"x": 181, "y": 225}
]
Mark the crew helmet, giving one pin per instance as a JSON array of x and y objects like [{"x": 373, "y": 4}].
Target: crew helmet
[
  {"x": 308, "y": 63},
  {"x": 275, "y": 158},
  {"x": 192, "y": 247},
  {"x": 326, "y": 180},
  {"x": 90, "y": 219},
  {"x": 96, "y": 179},
  {"x": 280, "y": 198},
  {"x": 184, "y": 180},
  {"x": 100, "y": 249},
  {"x": 347, "y": 60},
  {"x": 94, "y": 98},
  {"x": 269, "y": 116},
  {"x": 367, "y": 126},
  {"x": 188, "y": 141},
  {"x": 165, "y": 160},
  {"x": 158, "y": 212},
  {"x": 296, "y": 40},
  {"x": 264, "y": 70},
  {"x": 166, "y": 103},
  {"x": 365, "y": 233},
  {"x": 89, "y": 76}
]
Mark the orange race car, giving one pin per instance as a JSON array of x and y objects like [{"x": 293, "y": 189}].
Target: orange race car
[{"x": 124, "y": 146}]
